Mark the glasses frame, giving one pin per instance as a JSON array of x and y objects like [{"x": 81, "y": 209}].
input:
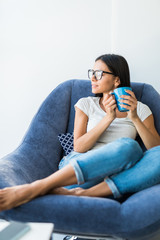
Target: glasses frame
[{"x": 101, "y": 71}]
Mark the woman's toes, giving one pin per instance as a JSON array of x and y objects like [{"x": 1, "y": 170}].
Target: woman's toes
[
  {"x": 12, "y": 197},
  {"x": 77, "y": 191},
  {"x": 59, "y": 191}
]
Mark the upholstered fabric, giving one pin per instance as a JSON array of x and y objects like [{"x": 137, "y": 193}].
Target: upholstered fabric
[
  {"x": 134, "y": 217},
  {"x": 66, "y": 141}
]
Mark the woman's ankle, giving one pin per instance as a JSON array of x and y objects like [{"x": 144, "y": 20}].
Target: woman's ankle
[{"x": 38, "y": 187}]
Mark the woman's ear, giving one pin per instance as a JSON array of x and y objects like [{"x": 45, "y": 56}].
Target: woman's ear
[{"x": 117, "y": 82}]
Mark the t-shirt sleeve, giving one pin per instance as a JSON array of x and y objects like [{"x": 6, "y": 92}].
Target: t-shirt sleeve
[
  {"x": 83, "y": 105},
  {"x": 143, "y": 111}
]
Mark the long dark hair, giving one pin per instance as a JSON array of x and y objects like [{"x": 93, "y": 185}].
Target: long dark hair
[{"x": 118, "y": 66}]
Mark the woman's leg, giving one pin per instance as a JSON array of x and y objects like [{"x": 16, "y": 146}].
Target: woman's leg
[
  {"x": 100, "y": 190},
  {"x": 110, "y": 159},
  {"x": 14, "y": 196},
  {"x": 144, "y": 174},
  {"x": 107, "y": 160},
  {"x": 92, "y": 167},
  {"x": 64, "y": 162}
]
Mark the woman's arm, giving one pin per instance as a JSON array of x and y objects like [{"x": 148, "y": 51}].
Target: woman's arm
[
  {"x": 83, "y": 140},
  {"x": 146, "y": 129},
  {"x": 147, "y": 132}
]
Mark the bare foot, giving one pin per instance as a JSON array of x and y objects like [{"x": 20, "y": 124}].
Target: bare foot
[
  {"x": 64, "y": 191},
  {"x": 78, "y": 191},
  {"x": 11, "y": 197},
  {"x": 60, "y": 191},
  {"x": 14, "y": 196}
]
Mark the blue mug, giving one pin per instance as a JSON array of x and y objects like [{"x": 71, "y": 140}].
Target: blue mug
[{"x": 117, "y": 93}]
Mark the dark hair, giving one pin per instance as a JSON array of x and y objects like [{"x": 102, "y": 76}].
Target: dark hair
[{"x": 118, "y": 66}]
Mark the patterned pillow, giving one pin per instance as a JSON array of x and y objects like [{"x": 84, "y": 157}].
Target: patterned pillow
[{"x": 66, "y": 141}]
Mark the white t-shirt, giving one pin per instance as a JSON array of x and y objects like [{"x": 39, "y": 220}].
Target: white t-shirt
[{"x": 120, "y": 127}]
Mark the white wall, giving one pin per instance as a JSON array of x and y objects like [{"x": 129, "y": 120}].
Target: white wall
[
  {"x": 43, "y": 43},
  {"x": 136, "y": 35}
]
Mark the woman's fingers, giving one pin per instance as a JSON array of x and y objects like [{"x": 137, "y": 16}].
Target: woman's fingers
[
  {"x": 109, "y": 101},
  {"x": 129, "y": 97},
  {"x": 112, "y": 102},
  {"x": 130, "y": 100},
  {"x": 114, "y": 106},
  {"x": 131, "y": 93}
]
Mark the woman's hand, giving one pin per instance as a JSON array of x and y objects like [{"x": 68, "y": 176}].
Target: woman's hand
[
  {"x": 132, "y": 102},
  {"x": 110, "y": 105}
]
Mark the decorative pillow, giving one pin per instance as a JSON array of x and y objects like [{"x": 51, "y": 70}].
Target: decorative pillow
[{"x": 66, "y": 141}]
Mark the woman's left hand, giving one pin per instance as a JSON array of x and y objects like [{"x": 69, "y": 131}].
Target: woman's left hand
[{"x": 132, "y": 102}]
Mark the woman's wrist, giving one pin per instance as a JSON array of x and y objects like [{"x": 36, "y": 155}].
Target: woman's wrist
[
  {"x": 109, "y": 118},
  {"x": 135, "y": 119}
]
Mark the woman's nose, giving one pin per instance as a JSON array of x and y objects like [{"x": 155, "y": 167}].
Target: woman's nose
[{"x": 93, "y": 79}]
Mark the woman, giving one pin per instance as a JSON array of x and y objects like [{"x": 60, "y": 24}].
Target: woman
[{"x": 106, "y": 157}]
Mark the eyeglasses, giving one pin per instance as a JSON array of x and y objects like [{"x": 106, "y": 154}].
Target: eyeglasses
[{"x": 97, "y": 74}]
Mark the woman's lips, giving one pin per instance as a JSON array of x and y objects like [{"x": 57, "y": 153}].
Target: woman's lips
[{"x": 94, "y": 85}]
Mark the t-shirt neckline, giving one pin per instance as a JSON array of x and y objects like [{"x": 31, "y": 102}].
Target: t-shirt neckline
[{"x": 98, "y": 103}]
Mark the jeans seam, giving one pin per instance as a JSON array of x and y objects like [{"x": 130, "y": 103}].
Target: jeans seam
[
  {"x": 78, "y": 172},
  {"x": 113, "y": 188}
]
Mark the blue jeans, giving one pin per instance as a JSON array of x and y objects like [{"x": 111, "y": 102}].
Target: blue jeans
[{"x": 122, "y": 164}]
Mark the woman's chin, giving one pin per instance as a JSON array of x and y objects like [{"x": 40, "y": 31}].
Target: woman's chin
[{"x": 94, "y": 91}]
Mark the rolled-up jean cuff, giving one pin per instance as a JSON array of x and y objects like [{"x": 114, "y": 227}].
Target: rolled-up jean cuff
[
  {"x": 113, "y": 188},
  {"x": 78, "y": 172}
]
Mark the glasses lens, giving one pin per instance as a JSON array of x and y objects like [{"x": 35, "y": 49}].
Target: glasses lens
[
  {"x": 90, "y": 73},
  {"x": 98, "y": 74}
]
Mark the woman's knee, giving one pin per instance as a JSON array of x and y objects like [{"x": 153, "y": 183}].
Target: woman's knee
[
  {"x": 129, "y": 151},
  {"x": 129, "y": 142},
  {"x": 151, "y": 158},
  {"x": 126, "y": 147},
  {"x": 129, "y": 145}
]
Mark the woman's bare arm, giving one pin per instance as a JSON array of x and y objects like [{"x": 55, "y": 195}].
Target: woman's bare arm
[
  {"x": 147, "y": 132},
  {"x": 146, "y": 129},
  {"x": 83, "y": 140}
]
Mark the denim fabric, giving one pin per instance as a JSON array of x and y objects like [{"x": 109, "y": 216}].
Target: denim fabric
[
  {"x": 66, "y": 160},
  {"x": 110, "y": 159},
  {"x": 143, "y": 174}
]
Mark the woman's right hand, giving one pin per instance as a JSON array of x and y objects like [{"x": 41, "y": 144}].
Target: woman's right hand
[{"x": 110, "y": 105}]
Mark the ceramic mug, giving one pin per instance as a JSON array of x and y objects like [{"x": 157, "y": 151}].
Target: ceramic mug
[{"x": 117, "y": 93}]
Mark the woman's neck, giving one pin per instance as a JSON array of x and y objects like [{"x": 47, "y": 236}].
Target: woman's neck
[{"x": 105, "y": 94}]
